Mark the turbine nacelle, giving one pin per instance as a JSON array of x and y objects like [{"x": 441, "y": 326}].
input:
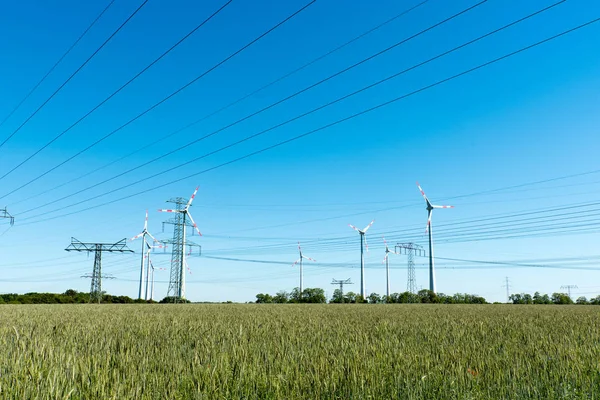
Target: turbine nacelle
[
  {"x": 186, "y": 211},
  {"x": 387, "y": 250},
  {"x": 302, "y": 256},
  {"x": 430, "y": 207},
  {"x": 363, "y": 232}
]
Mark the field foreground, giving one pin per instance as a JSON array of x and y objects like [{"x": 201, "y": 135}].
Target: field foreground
[{"x": 299, "y": 352}]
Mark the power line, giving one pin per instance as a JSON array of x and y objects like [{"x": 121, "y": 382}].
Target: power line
[
  {"x": 337, "y": 122},
  {"x": 260, "y": 89},
  {"x": 69, "y": 79},
  {"x": 114, "y": 93},
  {"x": 52, "y": 69},
  {"x": 254, "y": 114},
  {"x": 279, "y": 102},
  {"x": 160, "y": 102}
]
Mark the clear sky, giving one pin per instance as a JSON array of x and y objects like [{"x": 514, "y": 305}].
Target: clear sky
[{"x": 531, "y": 117}]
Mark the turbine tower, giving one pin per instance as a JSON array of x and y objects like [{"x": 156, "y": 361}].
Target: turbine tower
[
  {"x": 302, "y": 256},
  {"x": 430, "y": 208},
  {"x": 151, "y": 272},
  {"x": 184, "y": 215},
  {"x": 149, "y": 266},
  {"x": 363, "y": 243},
  {"x": 145, "y": 244},
  {"x": 386, "y": 260}
]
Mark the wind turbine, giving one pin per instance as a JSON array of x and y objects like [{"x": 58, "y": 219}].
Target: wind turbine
[
  {"x": 152, "y": 275},
  {"x": 302, "y": 257},
  {"x": 185, "y": 214},
  {"x": 430, "y": 208},
  {"x": 363, "y": 239},
  {"x": 387, "y": 266},
  {"x": 150, "y": 265},
  {"x": 144, "y": 244}
]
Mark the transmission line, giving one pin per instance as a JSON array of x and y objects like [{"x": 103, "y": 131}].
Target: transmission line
[
  {"x": 114, "y": 93},
  {"x": 260, "y": 89},
  {"x": 281, "y": 101},
  {"x": 244, "y": 118},
  {"x": 51, "y": 70},
  {"x": 68, "y": 80},
  {"x": 337, "y": 122},
  {"x": 159, "y": 102}
]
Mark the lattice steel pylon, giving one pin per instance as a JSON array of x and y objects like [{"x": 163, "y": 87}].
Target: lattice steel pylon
[
  {"x": 181, "y": 220},
  {"x": 410, "y": 249},
  {"x": 341, "y": 283},
  {"x": 98, "y": 249},
  {"x": 6, "y": 215}
]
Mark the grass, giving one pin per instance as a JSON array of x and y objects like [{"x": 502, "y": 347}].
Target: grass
[{"x": 299, "y": 352}]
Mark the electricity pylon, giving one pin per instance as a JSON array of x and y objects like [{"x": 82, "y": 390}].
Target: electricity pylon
[
  {"x": 5, "y": 214},
  {"x": 363, "y": 243},
  {"x": 98, "y": 249},
  {"x": 342, "y": 283},
  {"x": 182, "y": 220},
  {"x": 302, "y": 257},
  {"x": 410, "y": 249},
  {"x": 569, "y": 287},
  {"x": 507, "y": 286},
  {"x": 145, "y": 245},
  {"x": 430, "y": 208}
]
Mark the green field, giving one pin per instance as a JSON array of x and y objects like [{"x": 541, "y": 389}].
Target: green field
[{"x": 299, "y": 352}]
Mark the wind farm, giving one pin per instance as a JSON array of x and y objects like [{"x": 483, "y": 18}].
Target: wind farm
[{"x": 272, "y": 149}]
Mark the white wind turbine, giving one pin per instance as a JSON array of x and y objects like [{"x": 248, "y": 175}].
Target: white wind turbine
[
  {"x": 363, "y": 240},
  {"x": 185, "y": 214},
  {"x": 144, "y": 244},
  {"x": 430, "y": 208},
  {"x": 150, "y": 270},
  {"x": 302, "y": 257},
  {"x": 387, "y": 266}
]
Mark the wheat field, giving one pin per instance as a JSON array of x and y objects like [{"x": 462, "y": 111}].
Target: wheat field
[{"x": 245, "y": 351}]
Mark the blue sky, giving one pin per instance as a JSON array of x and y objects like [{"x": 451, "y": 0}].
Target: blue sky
[{"x": 528, "y": 118}]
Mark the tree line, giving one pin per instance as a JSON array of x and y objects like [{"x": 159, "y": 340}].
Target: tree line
[
  {"x": 317, "y": 295},
  {"x": 555, "y": 298},
  {"x": 69, "y": 297}
]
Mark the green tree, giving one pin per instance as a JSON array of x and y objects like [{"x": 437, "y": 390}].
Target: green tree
[
  {"x": 427, "y": 296},
  {"x": 350, "y": 297},
  {"x": 264, "y": 298},
  {"x": 338, "y": 296},
  {"x": 582, "y": 300},
  {"x": 313, "y": 295},
  {"x": 561, "y": 298},
  {"x": 281, "y": 297},
  {"x": 374, "y": 298}
]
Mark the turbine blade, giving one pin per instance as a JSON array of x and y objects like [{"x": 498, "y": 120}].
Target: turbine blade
[
  {"x": 153, "y": 238},
  {"x": 137, "y": 236},
  {"x": 424, "y": 195},
  {"x": 384, "y": 258},
  {"x": 442, "y": 206},
  {"x": 146, "y": 221},
  {"x": 296, "y": 262},
  {"x": 308, "y": 258},
  {"x": 366, "y": 244},
  {"x": 353, "y": 227},
  {"x": 169, "y": 211},
  {"x": 189, "y": 203},
  {"x": 368, "y": 226},
  {"x": 194, "y": 223}
]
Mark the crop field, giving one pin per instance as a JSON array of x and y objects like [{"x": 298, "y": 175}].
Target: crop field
[{"x": 299, "y": 352}]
